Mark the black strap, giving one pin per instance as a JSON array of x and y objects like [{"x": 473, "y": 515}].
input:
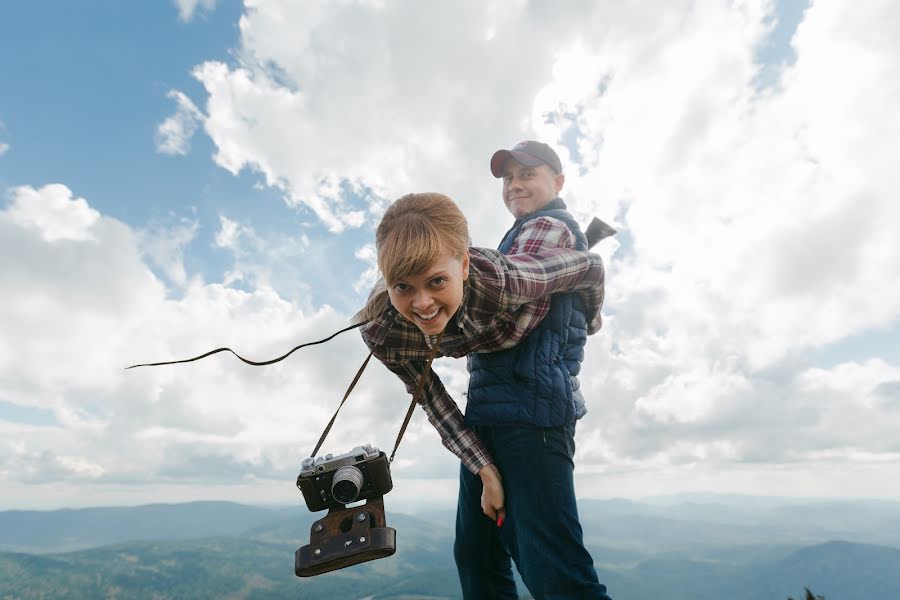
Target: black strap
[
  {"x": 249, "y": 362},
  {"x": 419, "y": 386},
  {"x": 346, "y": 394}
]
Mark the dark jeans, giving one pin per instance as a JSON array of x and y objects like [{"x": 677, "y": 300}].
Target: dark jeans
[{"x": 541, "y": 532}]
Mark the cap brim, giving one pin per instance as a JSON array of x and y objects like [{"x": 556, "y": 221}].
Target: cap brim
[{"x": 498, "y": 161}]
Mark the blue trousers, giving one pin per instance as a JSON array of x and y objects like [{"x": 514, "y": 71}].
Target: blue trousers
[{"x": 541, "y": 532}]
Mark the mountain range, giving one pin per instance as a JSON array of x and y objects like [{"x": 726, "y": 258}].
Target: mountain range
[{"x": 697, "y": 549}]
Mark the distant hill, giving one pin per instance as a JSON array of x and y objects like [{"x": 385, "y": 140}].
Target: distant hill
[
  {"x": 837, "y": 570},
  {"x": 243, "y": 568},
  {"x": 224, "y": 550},
  {"x": 259, "y": 564},
  {"x": 75, "y": 529}
]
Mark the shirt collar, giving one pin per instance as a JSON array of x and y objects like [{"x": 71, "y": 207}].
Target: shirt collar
[
  {"x": 467, "y": 326},
  {"x": 377, "y": 329}
]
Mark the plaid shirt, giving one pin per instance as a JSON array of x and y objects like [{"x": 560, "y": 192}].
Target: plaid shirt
[{"x": 505, "y": 298}]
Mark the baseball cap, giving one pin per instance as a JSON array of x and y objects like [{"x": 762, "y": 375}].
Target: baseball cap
[{"x": 530, "y": 153}]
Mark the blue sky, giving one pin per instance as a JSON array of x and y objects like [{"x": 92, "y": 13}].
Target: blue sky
[
  {"x": 96, "y": 76},
  {"x": 753, "y": 275}
]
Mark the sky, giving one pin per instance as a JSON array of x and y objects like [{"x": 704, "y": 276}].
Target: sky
[{"x": 177, "y": 176}]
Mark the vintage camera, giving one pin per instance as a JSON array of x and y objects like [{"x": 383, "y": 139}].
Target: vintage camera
[
  {"x": 345, "y": 536},
  {"x": 333, "y": 481}
]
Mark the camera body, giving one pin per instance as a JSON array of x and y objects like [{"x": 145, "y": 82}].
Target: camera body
[
  {"x": 333, "y": 481},
  {"x": 345, "y": 536}
]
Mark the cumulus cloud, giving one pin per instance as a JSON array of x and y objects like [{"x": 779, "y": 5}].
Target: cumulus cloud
[
  {"x": 755, "y": 223},
  {"x": 274, "y": 261},
  {"x": 79, "y": 308},
  {"x": 165, "y": 245},
  {"x": 173, "y": 136},
  {"x": 4, "y": 147},
  {"x": 188, "y": 8},
  {"x": 53, "y": 213}
]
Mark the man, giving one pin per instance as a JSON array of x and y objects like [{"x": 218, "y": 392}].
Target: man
[{"x": 523, "y": 404}]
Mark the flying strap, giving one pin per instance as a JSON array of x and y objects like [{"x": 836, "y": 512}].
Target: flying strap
[
  {"x": 420, "y": 384},
  {"x": 249, "y": 362}
]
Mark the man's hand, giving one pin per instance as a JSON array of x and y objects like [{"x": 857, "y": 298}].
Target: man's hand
[{"x": 492, "y": 500}]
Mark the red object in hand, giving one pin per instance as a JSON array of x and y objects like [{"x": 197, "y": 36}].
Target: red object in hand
[{"x": 500, "y": 521}]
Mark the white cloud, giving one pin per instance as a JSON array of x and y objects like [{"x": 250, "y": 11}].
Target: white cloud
[
  {"x": 369, "y": 98},
  {"x": 274, "y": 261},
  {"x": 756, "y": 225},
  {"x": 76, "y": 313},
  {"x": 370, "y": 276},
  {"x": 4, "y": 147},
  {"x": 188, "y": 8},
  {"x": 53, "y": 212},
  {"x": 173, "y": 136},
  {"x": 165, "y": 245}
]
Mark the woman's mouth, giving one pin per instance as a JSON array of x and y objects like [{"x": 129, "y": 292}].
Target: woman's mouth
[{"x": 428, "y": 317}]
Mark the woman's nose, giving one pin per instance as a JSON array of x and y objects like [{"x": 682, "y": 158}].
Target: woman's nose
[{"x": 422, "y": 300}]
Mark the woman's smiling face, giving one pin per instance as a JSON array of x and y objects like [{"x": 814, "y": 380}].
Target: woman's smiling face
[{"x": 431, "y": 298}]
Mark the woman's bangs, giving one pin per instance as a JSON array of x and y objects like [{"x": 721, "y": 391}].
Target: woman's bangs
[{"x": 412, "y": 248}]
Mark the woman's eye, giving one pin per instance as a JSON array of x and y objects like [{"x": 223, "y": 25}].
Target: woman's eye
[
  {"x": 400, "y": 287},
  {"x": 438, "y": 281}
]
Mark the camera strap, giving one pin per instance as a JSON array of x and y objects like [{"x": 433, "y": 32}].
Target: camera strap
[
  {"x": 252, "y": 362},
  {"x": 344, "y": 399},
  {"x": 420, "y": 385}
]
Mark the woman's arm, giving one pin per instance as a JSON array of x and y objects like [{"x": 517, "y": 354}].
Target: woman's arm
[
  {"x": 443, "y": 413},
  {"x": 512, "y": 292},
  {"x": 545, "y": 233},
  {"x": 532, "y": 276}
]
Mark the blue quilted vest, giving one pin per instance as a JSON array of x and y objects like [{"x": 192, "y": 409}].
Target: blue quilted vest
[{"x": 534, "y": 383}]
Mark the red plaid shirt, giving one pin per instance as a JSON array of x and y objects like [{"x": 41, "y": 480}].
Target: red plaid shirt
[{"x": 505, "y": 298}]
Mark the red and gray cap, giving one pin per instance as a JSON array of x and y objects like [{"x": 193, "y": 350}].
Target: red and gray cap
[{"x": 529, "y": 153}]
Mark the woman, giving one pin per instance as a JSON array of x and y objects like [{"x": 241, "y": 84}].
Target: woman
[{"x": 475, "y": 299}]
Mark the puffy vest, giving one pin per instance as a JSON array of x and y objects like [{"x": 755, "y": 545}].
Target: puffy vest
[{"x": 534, "y": 383}]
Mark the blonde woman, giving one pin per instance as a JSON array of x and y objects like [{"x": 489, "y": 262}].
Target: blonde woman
[{"x": 483, "y": 301}]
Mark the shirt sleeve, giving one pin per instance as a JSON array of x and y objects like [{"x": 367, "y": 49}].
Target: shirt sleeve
[
  {"x": 544, "y": 263},
  {"x": 542, "y": 233},
  {"x": 442, "y": 413}
]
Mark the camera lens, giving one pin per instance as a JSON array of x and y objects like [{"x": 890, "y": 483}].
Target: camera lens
[{"x": 346, "y": 484}]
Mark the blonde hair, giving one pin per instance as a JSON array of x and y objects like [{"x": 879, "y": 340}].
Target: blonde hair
[{"x": 413, "y": 233}]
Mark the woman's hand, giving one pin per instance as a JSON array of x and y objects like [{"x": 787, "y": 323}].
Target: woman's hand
[{"x": 492, "y": 500}]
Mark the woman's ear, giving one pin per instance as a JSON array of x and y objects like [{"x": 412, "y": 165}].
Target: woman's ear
[{"x": 465, "y": 264}]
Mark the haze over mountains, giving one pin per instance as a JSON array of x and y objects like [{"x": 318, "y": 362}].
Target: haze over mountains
[{"x": 692, "y": 548}]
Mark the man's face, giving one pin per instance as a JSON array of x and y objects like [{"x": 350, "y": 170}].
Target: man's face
[
  {"x": 529, "y": 189},
  {"x": 429, "y": 299}
]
